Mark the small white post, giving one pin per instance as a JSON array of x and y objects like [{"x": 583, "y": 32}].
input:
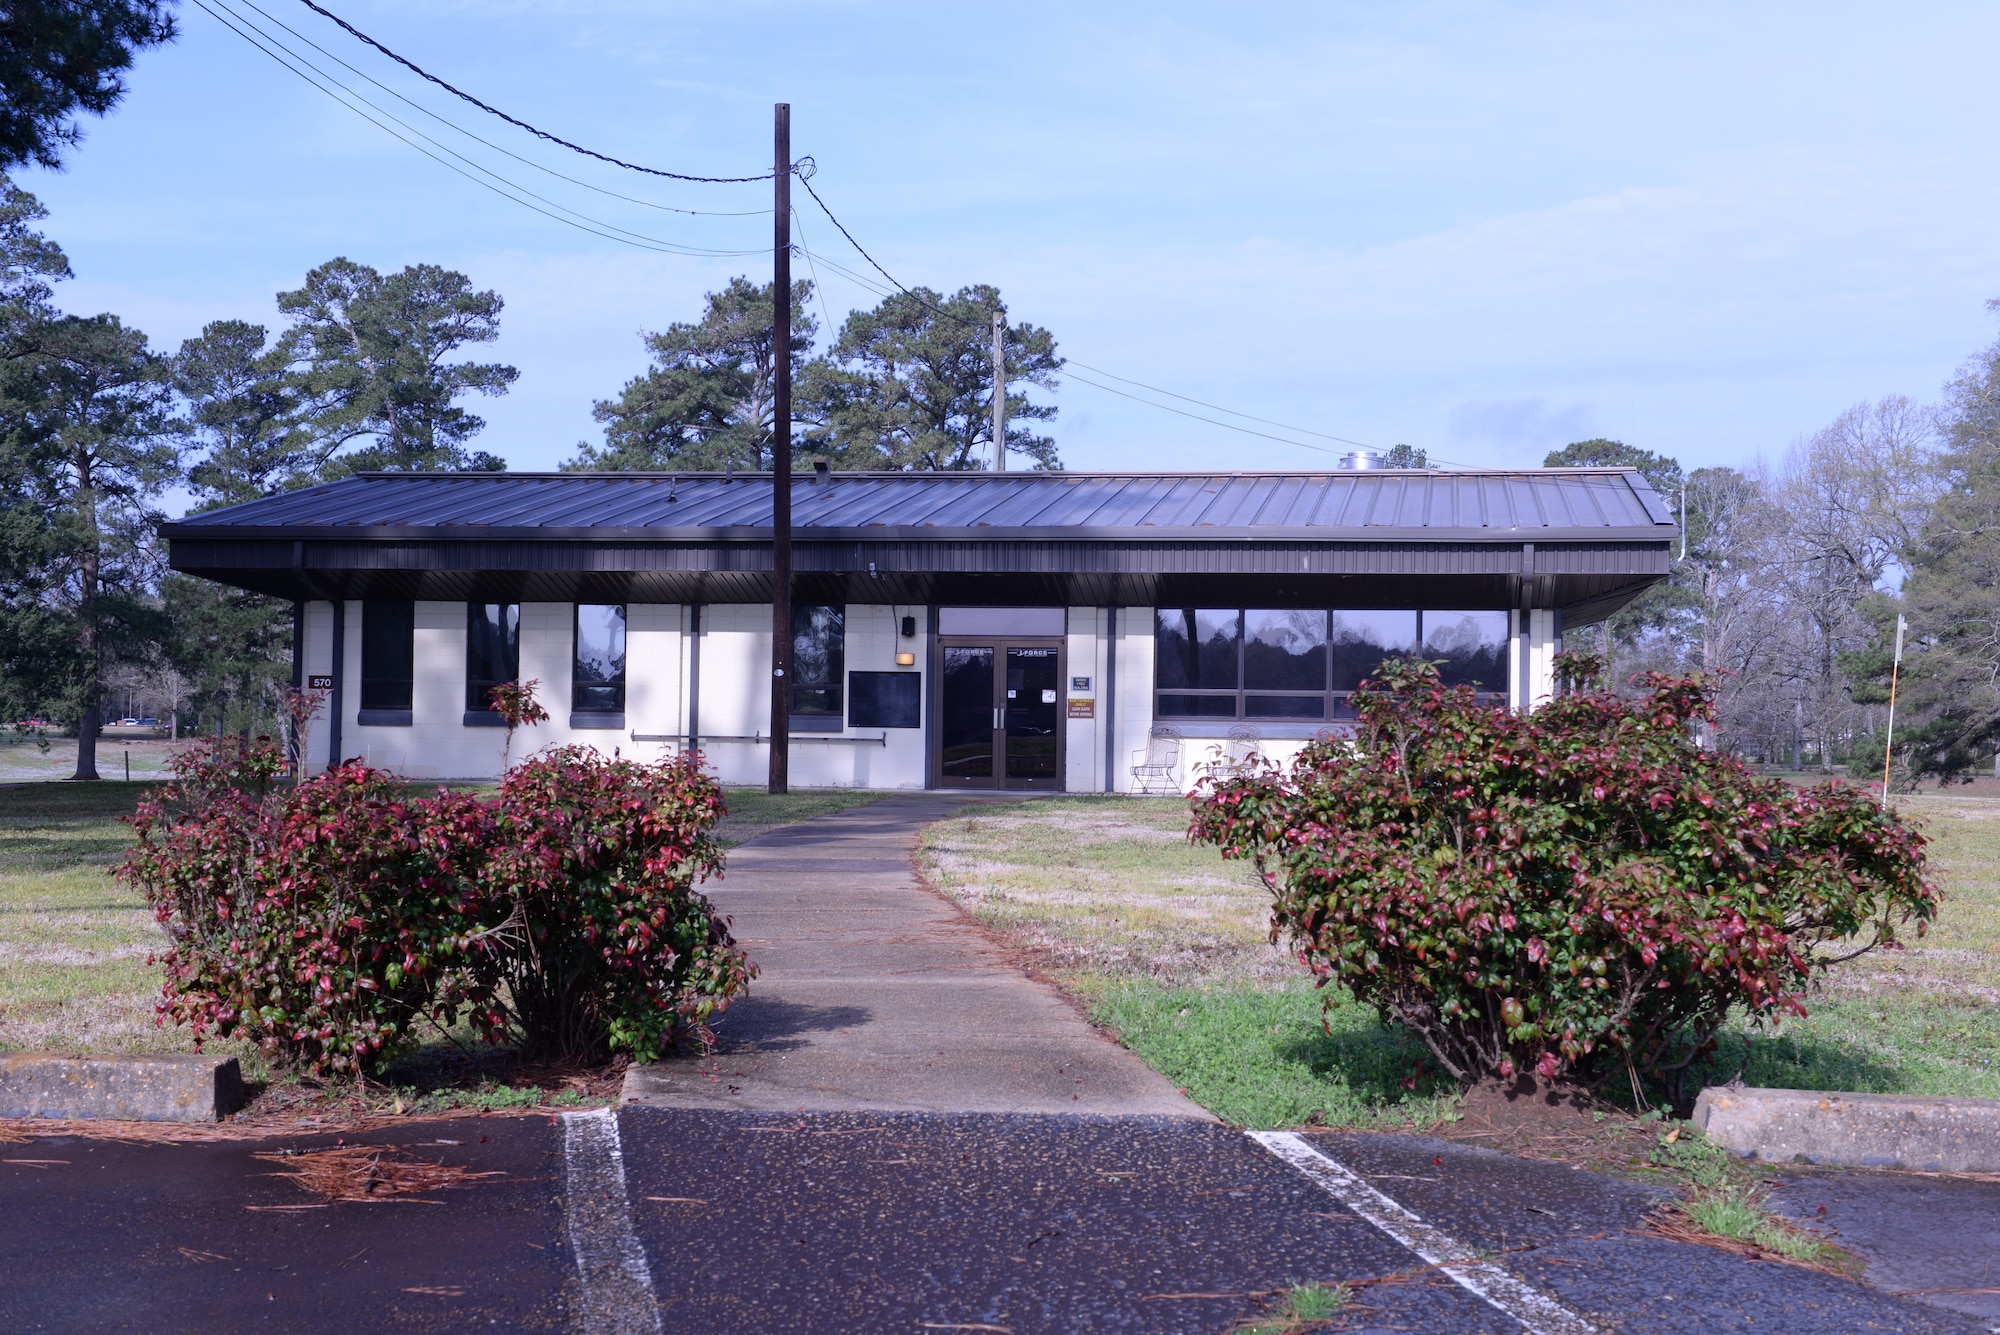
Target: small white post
[{"x": 1889, "y": 734}]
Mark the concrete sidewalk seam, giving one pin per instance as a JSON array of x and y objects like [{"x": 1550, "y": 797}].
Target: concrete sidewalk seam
[
  {"x": 1538, "y": 1313},
  {"x": 617, "y": 1286}
]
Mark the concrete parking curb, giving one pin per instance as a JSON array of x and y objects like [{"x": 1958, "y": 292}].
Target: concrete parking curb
[
  {"x": 1939, "y": 1135},
  {"x": 127, "y": 1089}
]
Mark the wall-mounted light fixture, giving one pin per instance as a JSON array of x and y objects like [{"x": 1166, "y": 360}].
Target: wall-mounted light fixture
[{"x": 906, "y": 660}]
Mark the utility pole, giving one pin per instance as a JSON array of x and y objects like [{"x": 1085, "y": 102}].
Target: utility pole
[
  {"x": 781, "y": 453},
  {"x": 999, "y": 391}
]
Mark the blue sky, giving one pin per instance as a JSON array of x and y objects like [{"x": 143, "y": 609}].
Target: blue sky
[{"x": 1482, "y": 228}]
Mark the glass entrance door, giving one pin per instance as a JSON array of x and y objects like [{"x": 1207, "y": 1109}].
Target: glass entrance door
[
  {"x": 966, "y": 741},
  {"x": 999, "y": 715},
  {"x": 1030, "y": 716}
]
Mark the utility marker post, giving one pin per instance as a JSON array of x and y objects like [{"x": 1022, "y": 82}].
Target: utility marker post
[
  {"x": 999, "y": 391},
  {"x": 1889, "y": 743},
  {"x": 781, "y": 453}
]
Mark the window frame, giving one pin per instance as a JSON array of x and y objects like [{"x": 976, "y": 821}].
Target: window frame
[
  {"x": 832, "y": 719},
  {"x": 391, "y": 714},
  {"x": 583, "y": 716},
  {"x": 484, "y": 715},
  {"x": 1334, "y": 705}
]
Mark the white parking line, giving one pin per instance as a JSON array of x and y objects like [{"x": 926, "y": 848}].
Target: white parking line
[
  {"x": 610, "y": 1263},
  {"x": 1538, "y": 1313}
]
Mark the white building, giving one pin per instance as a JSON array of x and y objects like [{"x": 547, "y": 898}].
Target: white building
[{"x": 1074, "y": 632}]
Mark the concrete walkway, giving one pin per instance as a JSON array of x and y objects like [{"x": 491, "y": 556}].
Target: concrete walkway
[{"x": 876, "y": 994}]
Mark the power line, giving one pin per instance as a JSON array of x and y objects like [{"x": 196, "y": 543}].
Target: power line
[
  {"x": 596, "y": 227},
  {"x": 1068, "y": 374},
  {"x": 479, "y": 139},
  {"x": 1284, "y": 426},
  {"x": 803, "y": 169},
  {"x": 1098, "y": 370},
  {"x": 460, "y": 93}
]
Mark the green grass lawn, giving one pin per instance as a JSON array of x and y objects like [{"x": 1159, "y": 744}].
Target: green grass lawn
[
  {"x": 1168, "y": 945},
  {"x": 1923, "y": 1020},
  {"x": 74, "y": 942}
]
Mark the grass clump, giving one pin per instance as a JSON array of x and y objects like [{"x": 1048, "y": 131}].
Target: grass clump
[
  {"x": 1300, "y": 1308},
  {"x": 1724, "y": 1202},
  {"x": 1270, "y": 1058}
]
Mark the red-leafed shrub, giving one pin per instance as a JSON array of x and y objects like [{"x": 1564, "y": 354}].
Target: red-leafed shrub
[
  {"x": 320, "y": 921},
  {"x": 596, "y": 865},
  {"x": 326, "y": 921},
  {"x": 1562, "y": 891}
]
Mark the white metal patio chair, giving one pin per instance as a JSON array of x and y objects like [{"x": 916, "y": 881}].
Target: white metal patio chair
[
  {"x": 1156, "y": 769},
  {"x": 1243, "y": 749}
]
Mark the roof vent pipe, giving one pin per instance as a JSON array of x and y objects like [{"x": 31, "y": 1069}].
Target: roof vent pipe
[{"x": 1361, "y": 459}]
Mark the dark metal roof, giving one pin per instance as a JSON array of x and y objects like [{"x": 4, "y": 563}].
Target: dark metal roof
[{"x": 1533, "y": 505}]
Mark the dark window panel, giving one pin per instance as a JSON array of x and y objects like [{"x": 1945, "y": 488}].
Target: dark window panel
[
  {"x": 1363, "y": 639},
  {"x": 388, "y": 654},
  {"x": 1196, "y": 648},
  {"x": 1284, "y": 650},
  {"x": 492, "y": 651},
  {"x": 1171, "y": 705},
  {"x": 1284, "y": 706},
  {"x": 598, "y": 684},
  {"x": 819, "y": 658},
  {"x": 1472, "y": 647}
]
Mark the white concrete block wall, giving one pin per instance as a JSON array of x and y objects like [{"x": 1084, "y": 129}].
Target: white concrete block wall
[
  {"x": 437, "y": 744},
  {"x": 734, "y": 685},
  {"x": 874, "y": 638},
  {"x": 656, "y": 654},
  {"x": 1515, "y": 649},
  {"x": 1542, "y": 647},
  {"x": 1134, "y": 723},
  {"x": 736, "y": 689},
  {"x": 317, "y": 652},
  {"x": 1083, "y": 741},
  {"x": 736, "y": 702}
]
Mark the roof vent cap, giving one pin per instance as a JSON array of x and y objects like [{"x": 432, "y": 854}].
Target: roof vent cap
[{"x": 1361, "y": 459}]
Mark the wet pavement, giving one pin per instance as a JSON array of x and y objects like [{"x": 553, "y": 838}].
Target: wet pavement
[
  {"x": 860, "y": 1221},
  {"x": 1923, "y": 1234},
  {"x": 102, "y": 1236}
]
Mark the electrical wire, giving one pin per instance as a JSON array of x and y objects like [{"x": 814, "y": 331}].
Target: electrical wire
[
  {"x": 596, "y": 227},
  {"x": 461, "y": 94},
  {"x": 803, "y": 170},
  {"x": 1215, "y": 407},
  {"x": 1068, "y": 374},
  {"x": 479, "y": 139},
  {"x": 1067, "y": 362},
  {"x": 819, "y": 289}
]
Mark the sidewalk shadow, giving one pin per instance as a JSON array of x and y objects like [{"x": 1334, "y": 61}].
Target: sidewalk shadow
[{"x": 765, "y": 1024}]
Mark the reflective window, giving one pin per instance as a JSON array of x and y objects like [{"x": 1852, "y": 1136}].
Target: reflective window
[
  {"x": 1301, "y": 665},
  {"x": 492, "y": 650},
  {"x": 1284, "y": 650},
  {"x": 598, "y": 681},
  {"x": 1361, "y": 640},
  {"x": 388, "y": 654},
  {"x": 1472, "y": 645},
  {"x": 1176, "y": 705},
  {"x": 1196, "y": 649},
  {"x": 819, "y": 658}
]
